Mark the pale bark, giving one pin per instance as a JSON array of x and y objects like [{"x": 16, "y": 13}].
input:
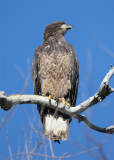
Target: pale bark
[{"x": 8, "y": 101}]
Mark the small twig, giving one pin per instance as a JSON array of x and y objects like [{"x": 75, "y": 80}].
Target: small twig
[
  {"x": 26, "y": 146},
  {"x": 18, "y": 150},
  {"x": 8, "y": 142},
  {"x": 56, "y": 157},
  {"x": 104, "y": 48},
  {"x": 63, "y": 156},
  {"x": 45, "y": 152},
  {"x": 7, "y": 118},
  {"x": 100, "y": 147},
  {"x": 51, "y": 148},
  {"x": 26, "y": 78}
]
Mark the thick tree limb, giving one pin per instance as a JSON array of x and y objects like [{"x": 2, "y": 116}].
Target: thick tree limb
[{"x": 7, "y": 102}]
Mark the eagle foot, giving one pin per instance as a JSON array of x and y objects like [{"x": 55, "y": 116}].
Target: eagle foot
[
  {"x": 49, "y": 97},
  {"x": 64, "y": 102}
]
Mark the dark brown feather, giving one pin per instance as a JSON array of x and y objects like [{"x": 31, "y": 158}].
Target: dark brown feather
[{"x": 55, "y": 72}]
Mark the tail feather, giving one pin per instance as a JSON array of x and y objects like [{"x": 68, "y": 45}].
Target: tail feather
[{"x": 56, "y": 128}]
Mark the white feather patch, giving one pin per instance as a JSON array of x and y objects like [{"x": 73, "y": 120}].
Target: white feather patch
[{"x": 55, "y": 127}]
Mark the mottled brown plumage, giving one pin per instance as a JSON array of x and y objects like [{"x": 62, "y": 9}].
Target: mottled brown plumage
[{"x": 55, "y": 73}]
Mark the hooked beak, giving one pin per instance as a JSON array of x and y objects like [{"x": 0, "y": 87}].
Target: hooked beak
[{"x": 67, "y": 26}]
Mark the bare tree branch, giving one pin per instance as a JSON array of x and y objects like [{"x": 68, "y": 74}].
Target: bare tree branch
[
  {"x": 9, "y": 146},
  {"x": 100, "y": 147},
  {"x": 51, "y": 148},
  {"x": 109, "y": 129},
  {"x": 7, "y": 102},
  {"x": 104, "y": 48},
  {"x": 49, "y": 156}
]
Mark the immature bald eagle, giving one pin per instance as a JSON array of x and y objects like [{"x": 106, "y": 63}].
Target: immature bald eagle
[{"x": 55, "y": 73}]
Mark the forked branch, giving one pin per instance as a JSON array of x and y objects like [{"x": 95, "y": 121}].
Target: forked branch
[{"x": 8, "y": 101}]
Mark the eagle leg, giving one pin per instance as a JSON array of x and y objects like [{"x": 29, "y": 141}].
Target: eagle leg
[{"x": 64, "y": 102}]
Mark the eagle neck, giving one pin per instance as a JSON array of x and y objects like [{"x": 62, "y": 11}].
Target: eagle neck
[{"x": 56, "y": 37}]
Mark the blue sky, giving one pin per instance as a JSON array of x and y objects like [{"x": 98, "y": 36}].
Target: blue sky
[{"x": 22, "y": 23}]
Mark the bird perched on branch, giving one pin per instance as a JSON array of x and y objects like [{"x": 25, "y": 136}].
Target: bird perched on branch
[{"x": 56, "y": 75}]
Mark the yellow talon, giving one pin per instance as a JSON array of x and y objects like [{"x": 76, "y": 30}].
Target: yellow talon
[
  {"x": 49, "y": 97},
  {"x": 64, "y": 102}
]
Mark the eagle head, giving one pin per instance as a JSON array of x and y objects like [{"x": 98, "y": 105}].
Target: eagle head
[{"x": 56, "y": 28}]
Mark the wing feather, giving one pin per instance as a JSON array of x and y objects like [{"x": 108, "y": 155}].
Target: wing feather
[
  {"x": 36, "y": 72},
  {"x": 74, "y": 78},
  {"x": 36, "y": 78}
]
